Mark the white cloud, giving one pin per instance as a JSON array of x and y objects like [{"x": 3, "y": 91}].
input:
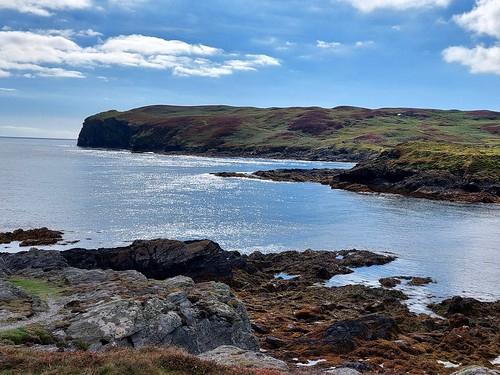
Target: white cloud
[
  {"x": 7, "y": 89},
  {"x": 341, "y": 47},
  {"x": 55, "y": 54},
  {"x": 484, "y": 18},
  {"x": 43, "y": 7},
  {"x": 364, "y": 43},
  {"x": 329, "y": 45},
  {"x": 479, "y": 59},
  {"x": 372, "y": 5}
]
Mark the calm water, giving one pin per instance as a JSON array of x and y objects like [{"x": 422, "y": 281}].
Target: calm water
[{"x": 107, "y": 198}]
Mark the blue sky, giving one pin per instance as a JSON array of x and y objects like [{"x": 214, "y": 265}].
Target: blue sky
[{"x": 62, "y": 60}]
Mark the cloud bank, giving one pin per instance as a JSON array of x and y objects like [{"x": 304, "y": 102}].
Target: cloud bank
[
  {"x": 52, "y": 54},
  {"x": 483, "y": 19}
]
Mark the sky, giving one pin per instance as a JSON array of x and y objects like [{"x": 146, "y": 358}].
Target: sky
[{"x": 64, "y": 60}]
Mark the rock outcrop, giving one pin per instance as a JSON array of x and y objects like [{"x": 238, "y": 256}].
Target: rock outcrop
[
  {"x": 32, "y": 237},
  {"x": 201, "y": 260}
]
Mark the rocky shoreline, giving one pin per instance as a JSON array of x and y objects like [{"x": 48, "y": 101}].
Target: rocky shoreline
[
  {"x": 224, "y": 306},
  {"x": 386, "y": 174}
]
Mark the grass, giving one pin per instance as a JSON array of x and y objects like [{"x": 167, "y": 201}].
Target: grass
[
  {"x": 149, "y": 361},
  {"x": 480, "y": 162},
  {"x": 26, "y": 335},
  {"x": 36, "y": 287},
  {"x": 354, "y": 129}
]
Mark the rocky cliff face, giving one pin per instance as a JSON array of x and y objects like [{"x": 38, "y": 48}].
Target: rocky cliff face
[{"x": 105, "y": 133}]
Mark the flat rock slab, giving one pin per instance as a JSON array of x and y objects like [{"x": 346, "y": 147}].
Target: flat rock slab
[{"x": 233, "y": 356}]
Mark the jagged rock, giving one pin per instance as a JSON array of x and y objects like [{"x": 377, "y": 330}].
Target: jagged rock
[
  {"x": 233, "y": 356},
  {"x": 201, "y": 260},
  {"x": 476, "y": 370},
  {"x": 196, "y": 317}
]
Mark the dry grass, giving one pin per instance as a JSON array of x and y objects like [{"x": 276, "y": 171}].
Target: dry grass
[{"x": 150, "y": 361}]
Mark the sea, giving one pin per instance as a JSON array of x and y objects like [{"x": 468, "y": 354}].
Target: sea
[{"x": 106, "y": 198}]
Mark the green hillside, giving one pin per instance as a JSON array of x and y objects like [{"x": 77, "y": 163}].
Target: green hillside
[{"x": 312, "y": 133}]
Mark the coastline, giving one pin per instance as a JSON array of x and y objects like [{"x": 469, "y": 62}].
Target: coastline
[{"x": 292, "y": 317}]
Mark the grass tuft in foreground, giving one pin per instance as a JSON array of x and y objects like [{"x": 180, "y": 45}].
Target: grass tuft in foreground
[
  {"x": 38, "y": 288},
  {"x": 150, "y": 361},
  {"x": 26, "y": 335}
]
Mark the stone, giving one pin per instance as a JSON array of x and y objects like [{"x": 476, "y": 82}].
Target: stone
[
  {"x": 233, "y": 356},
  {"x": 476, "y": 370}
]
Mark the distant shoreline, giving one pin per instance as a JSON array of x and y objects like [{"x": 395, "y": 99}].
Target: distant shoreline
[{"x": 45, "y": 138}]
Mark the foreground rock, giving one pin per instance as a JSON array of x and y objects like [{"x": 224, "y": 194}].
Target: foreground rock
[
  {"x": 295, "y": 317},
  {"x": 32, "y": 237},
  {"x": 236, "y": 357},
  {"x": 104, "y": 308},
  {"x": 476, "y": 370}
]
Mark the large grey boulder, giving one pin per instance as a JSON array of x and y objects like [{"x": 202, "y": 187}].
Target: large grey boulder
[
  {"x": 173, "y": 312},
  {"x": 476, "y": 370},
  {"x": 232, "y": 356}
]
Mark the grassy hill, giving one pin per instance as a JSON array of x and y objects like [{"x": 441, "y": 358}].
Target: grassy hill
[{"x": 349, "y": 133}]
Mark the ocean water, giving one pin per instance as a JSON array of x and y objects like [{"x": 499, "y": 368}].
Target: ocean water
[{"x": 109, "y": 198}]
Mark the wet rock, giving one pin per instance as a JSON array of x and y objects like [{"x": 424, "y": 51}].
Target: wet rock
[
  {"x": 233, "y": 356},
  {"x": 476, "y": 370},
  {"x": 458, "y": 305},
  {"x": 389, "y": 282},
  {"x": 342, "y": 336},
  {"x": 32, "y": 237},
  {"x": 201, "y": 260},
  {"x": 418, "y": 281}
]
